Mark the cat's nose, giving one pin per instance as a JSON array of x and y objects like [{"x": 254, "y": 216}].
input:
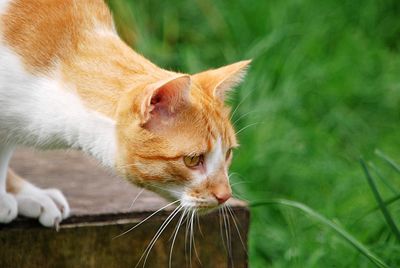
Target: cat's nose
[
  {"x": 219, "y": 187},
  {"x": 222, "y": 196}
]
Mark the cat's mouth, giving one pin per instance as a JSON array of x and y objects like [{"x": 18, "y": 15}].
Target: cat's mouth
[{"x": 199, "y": 206}]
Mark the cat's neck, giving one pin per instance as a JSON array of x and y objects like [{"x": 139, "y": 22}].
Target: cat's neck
[
  {"x": 100, "y": 71},
  {"x": 103, "y": 68}
]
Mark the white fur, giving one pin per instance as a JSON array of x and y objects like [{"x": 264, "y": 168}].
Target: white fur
[
  {"x": 5, "y": 155},
  {"x": 8, "y": 204},
  {"x": 40, "y": 112},
  {"x": 8, "y": 208},
  {"x": 216, "y": 158},
  {"x": 3, "y": 6}
]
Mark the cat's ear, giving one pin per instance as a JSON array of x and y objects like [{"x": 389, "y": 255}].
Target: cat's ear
[
  {"x": 163, "y": 99},
  {"x": 219, "y": 82}
]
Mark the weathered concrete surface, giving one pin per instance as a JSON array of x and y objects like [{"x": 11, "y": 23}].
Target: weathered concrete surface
[{"x": 102, "y": 209}]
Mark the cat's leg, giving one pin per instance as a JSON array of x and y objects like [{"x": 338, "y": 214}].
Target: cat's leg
[
  {"x": 8, "y": 203},
  {"x": 48, "y": 205}
]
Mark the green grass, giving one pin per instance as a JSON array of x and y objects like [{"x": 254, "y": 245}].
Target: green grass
[{"x": 323, "y": 89}]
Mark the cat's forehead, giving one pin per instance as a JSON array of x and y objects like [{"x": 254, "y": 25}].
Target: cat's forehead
[
  {"x": 218, "y": 124},
  {"x": 201, "y": 128}
]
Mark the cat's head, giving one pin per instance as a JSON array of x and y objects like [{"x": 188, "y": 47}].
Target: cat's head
[{"x": 176, "y": 138}]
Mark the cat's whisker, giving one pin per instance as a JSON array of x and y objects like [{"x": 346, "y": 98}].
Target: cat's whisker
[
  {"x": 231, "y": 212},
  {"x": 136, "y": 198},
  {"x": 238, "y": 196},
  {"x": 231, "y": 176},
  {"x": 190, "y": 242},
  {"x": 191, "y": 238},
  {"x": 234, "y": 174},
  {"x": 246, "y": 127},
  {"x": 176, "y": 233},
  {"x": 221, "y": 228},
  {"x": 148, "y": 217},
  {"x": 243, "y": 115},
  {"x": 230, "y": 234},
  {"x": 184, "y": 213},
  {"x": 164, "y": 189},
  {"x": 240, "y": 103},
  {"x": 229, "y": 228},
  {"x": 198, "y": 224},
  {"x": 228, "y": 241},
  {"x": 194, "y": 242},
  {"x": 241, "y": 179},
  {"x": 238, "y": 175},
  {"x": 239, "y": 182},
  {"x": 225, "y": 230},
  {"x": 186, "y": 237},
  {"x": 157, "y": 235}
]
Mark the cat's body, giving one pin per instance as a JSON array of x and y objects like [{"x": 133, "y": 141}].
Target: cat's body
[{"x": 68, "y": 81}]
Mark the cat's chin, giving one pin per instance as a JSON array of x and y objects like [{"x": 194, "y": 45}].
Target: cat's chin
[
  {"x": 205, "y": 210},
  {"x": 200, "y": 207}
]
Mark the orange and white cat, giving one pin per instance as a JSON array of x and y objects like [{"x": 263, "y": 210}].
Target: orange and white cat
[{"x": 68, "y": 81}]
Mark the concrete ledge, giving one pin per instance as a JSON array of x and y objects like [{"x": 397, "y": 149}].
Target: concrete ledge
[{"x": 101, "y": 210}]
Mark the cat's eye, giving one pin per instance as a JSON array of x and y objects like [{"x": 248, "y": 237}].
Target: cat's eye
[
  {"x": 193, "y": 161},
  {"x": 228, "y": 154}
]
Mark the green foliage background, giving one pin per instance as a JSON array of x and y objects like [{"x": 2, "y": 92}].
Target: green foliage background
[{"x": 323, "y": 89}]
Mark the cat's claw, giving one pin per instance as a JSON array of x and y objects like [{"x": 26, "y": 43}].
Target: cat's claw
[
  {"x": 8, "y": 208},
  {"x": 48, "y": 205},
  {"x": 57, "y": 224},
  {"x": 60, "y": 200}
]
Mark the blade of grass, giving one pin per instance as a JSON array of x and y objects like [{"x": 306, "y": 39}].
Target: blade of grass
[
  {"x": 382, "y": 206},
  {"x": 382, "y": 178},
  {"x": 387, "y": 202},
  {"x": 339, "y": 230},
  {"x": 388, "y": 160}
]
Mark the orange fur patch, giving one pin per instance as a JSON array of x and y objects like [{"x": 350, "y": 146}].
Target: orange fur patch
[
  {"x": 43, "y": 32},
  {"x": 14, "y": 183}
]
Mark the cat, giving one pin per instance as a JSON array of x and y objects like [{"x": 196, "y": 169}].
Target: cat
[{"x": 68, "y": 81}]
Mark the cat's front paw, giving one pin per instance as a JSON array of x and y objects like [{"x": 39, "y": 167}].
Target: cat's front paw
[
  {"x": 8, "y": 208},
  {"x": 48, "y": 205}
]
